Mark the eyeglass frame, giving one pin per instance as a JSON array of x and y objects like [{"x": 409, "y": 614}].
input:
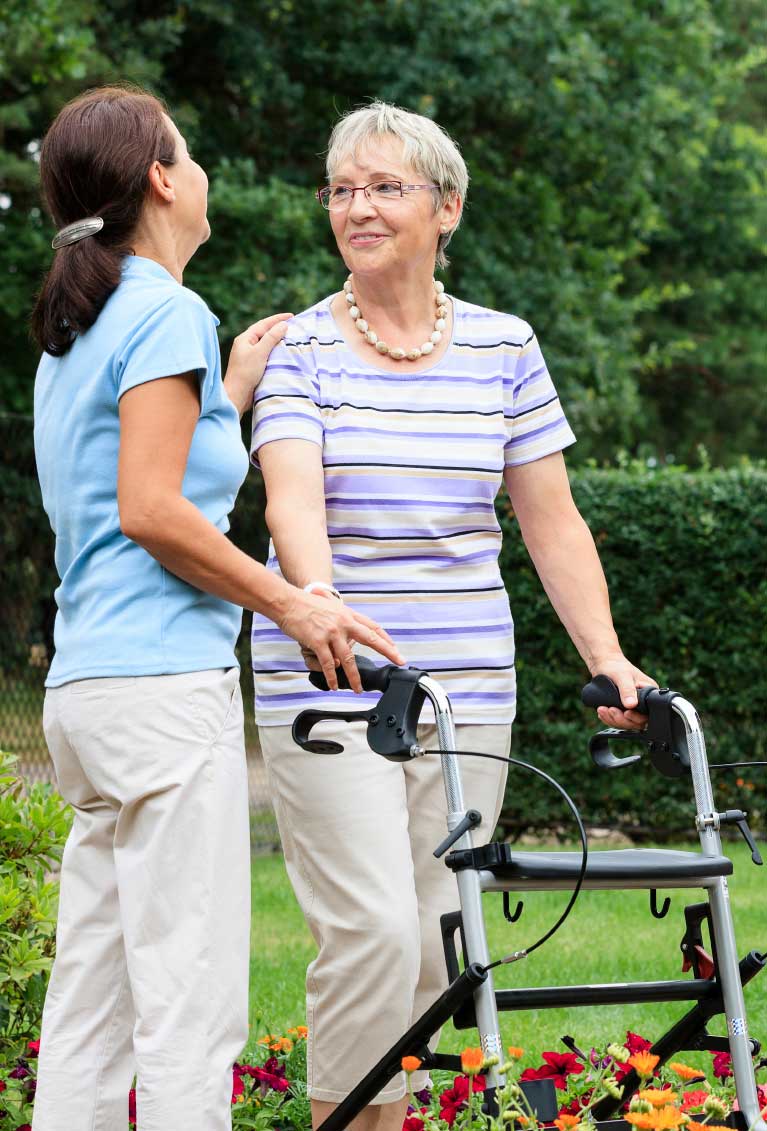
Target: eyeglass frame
[{"x": 364, "y": 188}]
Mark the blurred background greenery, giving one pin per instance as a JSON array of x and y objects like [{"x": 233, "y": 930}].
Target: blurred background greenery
[{"x": 616, "y": 149}]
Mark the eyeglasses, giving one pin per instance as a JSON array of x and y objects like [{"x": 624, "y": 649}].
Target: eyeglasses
[{"x": 380, "y": 193}]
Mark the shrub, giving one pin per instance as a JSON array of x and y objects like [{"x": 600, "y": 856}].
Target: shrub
[
  {"x": 33, "y": 828},
  {"x": 685, "y": 554}
]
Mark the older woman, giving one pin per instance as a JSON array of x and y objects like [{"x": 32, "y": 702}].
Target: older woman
[
  {"x": 140, "y": 459},
  {"x": 385, "y": 423}
]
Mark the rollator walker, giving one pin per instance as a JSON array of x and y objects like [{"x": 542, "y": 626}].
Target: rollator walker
[{"x": 675, "y": 743}]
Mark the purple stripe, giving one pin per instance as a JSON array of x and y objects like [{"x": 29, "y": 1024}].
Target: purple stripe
[
  {"x": 266, "y": 420},
  {"x": 336, "y": 478},
  {"x": 537, "y": 432},
  {"x": 415, "y": 504},
  {"x": 409, "y": 559},
  {"x": 373, "y": 697}
]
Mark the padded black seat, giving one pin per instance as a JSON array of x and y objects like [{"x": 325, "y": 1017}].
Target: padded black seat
[{"x": 617, "y": 868}]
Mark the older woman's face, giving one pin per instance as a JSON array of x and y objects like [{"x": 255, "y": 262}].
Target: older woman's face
[{"x": 389, "y": 236}]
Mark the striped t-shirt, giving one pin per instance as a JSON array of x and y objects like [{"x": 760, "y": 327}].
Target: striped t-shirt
[{"x": 413, "y": 463}]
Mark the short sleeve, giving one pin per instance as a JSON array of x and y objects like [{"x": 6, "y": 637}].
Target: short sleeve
[
  {"x": 536, "y": 426},
  {"x": 178, "y": 336},
  {"x": 287, "y": 404}
]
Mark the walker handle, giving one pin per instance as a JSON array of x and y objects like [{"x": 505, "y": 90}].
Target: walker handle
[
  {"x": 602, "y": 692},
  {"x": 373, "y": 677}
]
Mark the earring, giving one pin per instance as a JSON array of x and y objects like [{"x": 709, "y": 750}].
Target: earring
[{"x": 444, "y": 229}]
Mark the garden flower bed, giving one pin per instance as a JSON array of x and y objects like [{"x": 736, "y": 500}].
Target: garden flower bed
[{"x": 270, "y": 1093}]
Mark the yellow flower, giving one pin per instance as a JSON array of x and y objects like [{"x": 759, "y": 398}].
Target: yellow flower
[
  {"x": 472, "y": 1060},
  {"x": 411, "y": 1063},
  {"x": 666, "y": 1118}
]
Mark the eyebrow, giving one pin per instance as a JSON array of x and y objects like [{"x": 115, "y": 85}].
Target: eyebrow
[{"x": 373, "y": 177}]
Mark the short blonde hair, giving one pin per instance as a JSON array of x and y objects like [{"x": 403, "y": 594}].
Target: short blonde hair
[{"x": 427, "y": 147}]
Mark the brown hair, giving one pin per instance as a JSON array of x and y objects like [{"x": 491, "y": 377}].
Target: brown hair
[{"x": 94, "y": 161}]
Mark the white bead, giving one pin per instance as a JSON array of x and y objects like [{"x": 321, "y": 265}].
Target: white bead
[
  {"x": 440, "y": 324},
  {"x": 441, "y": 312},
  {"x": 350, "y": 298},
  {"x": 436, "y": 336},
  {"x": 413, "y": 355},
  {"x": 439, "y": 287},
  {"x": 355, "y": 312},
  {"x": 347, "y": 286},
  {"x": 361, "y": 325},
  {"x": 371, "y": 337},
  {"x": 396, "y": 354},
  {"x": 427, "y": 347},
  {"x": 382, "y": 347}
]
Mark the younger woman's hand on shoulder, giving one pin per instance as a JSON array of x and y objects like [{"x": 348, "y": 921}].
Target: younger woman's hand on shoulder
[{"x": 250, "y": 353}]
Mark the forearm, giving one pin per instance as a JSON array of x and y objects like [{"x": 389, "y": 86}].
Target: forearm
[
  {"x": 178, "y": 535},
  {"x": 568, "y": 565},
  {"x": 300, "y": 537}
]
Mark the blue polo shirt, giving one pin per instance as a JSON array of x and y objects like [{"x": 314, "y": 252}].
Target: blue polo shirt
[{"x": 119, "y": 611}]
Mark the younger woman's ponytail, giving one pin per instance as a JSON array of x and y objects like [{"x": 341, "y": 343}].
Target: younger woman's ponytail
[{"x": 94, "y": 162}]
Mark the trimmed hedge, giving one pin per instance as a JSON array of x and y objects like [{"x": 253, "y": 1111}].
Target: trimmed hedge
[{"x": 685, "y": 554}]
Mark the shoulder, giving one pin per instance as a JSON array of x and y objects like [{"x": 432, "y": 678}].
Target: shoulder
[
  {"x": 311, "y": 327},
  {"x": 481, "y": 326}
]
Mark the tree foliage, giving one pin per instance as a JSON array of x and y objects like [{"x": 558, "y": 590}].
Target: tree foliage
[{"x": 615, "y": 153}]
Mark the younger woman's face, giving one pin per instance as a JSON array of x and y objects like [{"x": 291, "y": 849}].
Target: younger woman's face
[{"x": 191, "y": 184}]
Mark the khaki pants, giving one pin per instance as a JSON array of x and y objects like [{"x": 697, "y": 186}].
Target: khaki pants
[
  {"x": 151, "y": 970},
  {"x": 358, "y": 833}
]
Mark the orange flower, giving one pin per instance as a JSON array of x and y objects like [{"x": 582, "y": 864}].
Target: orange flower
[
  {"x": 685, "y": 1072},
  {"x": 300, "y": 1031},
  {"x": 567, "y": 1122},
  {"x": 658, "y": 1097},
  {"x": 666, "y": 1118},
  {"x": 643, "y": 1121},
  {"x": 694, "y": 1126},
  {"x": 645, "y": 1063},
  {"x": 472, "y": 1060},
  {"x": 515, "y": 1052},
  {"x": 411, "y": 1063}
]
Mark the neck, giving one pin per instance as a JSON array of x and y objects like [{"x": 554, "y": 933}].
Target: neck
[
  {"x": 405, "y": 303},
  {"x": 155, "y": 240}
]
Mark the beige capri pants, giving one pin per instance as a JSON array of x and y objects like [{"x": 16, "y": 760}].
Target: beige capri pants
[
  {"x": 151, "y": 970},
  {"x": 358, "y": 833}
]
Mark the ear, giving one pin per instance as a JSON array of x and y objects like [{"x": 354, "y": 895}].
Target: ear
[
  {"x": 450, "y": 213},
  {"x": 161, "y": 185}
]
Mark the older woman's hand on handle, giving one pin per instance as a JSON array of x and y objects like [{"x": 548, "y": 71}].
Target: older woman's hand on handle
[
  {"x": 627, "y": 679},
  {"x": 248, "y": 358},
  {"x": 327, "y": 631}
]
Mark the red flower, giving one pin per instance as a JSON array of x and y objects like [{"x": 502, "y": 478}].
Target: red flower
[
  {"x": 33, "y": 1049},
  {"x": 413, "y": 1122},
  {"x": 635, "y": 1043},
  {"x": 558, "y": 1067},
  {"x": 25, "y": 1127},
  {"x": 132, "y": 1105},
  {"x": 455, "y": 1099},
  {"x": 693, "y": 1099},
  {"x": 271, "y": 1075},
  {"x": 722, "y": 1065},
  {"x": 238, "y": 1088},
  {"x": 3, "y": 1085}
]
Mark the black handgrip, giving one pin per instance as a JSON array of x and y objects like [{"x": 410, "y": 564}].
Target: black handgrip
[
  {"x": 373, "y": 677},
  {"x": 602, "y": 692}
]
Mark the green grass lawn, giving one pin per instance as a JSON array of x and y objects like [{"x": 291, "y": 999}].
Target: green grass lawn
[{"x": 609, "y": 937}]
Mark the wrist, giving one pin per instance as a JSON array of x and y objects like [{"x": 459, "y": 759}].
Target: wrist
[
  {"x": 322, "y": 589},
  {"x": 239, "y": 390}
]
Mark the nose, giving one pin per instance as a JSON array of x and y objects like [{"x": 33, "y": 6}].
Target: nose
[{"x": 361, "y": 208}]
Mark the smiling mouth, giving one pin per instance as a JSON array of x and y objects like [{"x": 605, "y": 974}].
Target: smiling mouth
[{"x": 366, "y": 237}]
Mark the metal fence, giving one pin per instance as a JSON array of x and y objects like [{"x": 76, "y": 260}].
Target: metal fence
[{"x": 27, "y": 612}]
